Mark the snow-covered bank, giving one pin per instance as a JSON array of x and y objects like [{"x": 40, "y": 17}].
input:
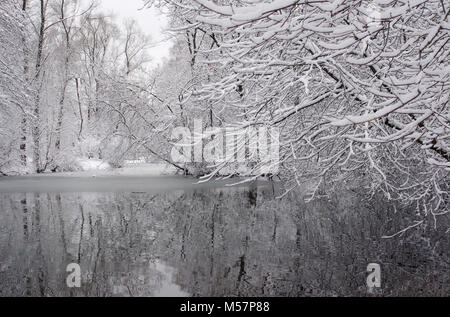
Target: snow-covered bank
[
  {"x": 90, "y": 165},
  {"x": 137, "y": 177},
  {"x": 98, "y": 168},
  {"x": 94, "y": 168}
]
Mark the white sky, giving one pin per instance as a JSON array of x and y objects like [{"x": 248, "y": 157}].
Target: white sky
[{"x": 151, "y": 21}]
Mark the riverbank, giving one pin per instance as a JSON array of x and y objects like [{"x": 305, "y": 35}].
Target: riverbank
[{"x": 148, "y": 180}]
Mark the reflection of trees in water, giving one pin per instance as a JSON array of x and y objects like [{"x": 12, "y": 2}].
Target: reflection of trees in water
[{"x": 221, "y": 242}]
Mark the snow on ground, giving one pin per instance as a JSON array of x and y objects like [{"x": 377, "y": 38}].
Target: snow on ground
[
  {"x": 97, "y": 168},
  {"x": 91, "y": 165}
]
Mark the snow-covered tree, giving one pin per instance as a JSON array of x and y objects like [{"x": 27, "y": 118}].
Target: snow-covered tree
[
  {"x": 14, "y": 89},
  {"x": 74, "y": 85},
  {"x": 357, "y": 88}
]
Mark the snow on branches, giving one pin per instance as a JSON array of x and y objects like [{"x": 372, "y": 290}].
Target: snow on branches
[
  {"x": 353, "y": 85},
  {"x": 14, "y": 89}
]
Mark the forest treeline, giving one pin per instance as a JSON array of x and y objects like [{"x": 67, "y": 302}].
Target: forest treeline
[{"x": 75, "y": 84}]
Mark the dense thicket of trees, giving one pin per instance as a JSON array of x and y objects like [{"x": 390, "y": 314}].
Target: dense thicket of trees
[
  {"x": 15, "y": 91},
  {"x": 74, "y": 85}
]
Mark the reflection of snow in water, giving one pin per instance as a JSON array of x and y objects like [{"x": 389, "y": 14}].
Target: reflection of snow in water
[
  {"x": 157, "y": 281},
  {"x": 208, "y": 242},
  {"x": 168, "y": 287}
]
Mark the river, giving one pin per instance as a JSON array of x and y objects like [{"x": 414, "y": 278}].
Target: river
[{"x": 169, "y": 236}]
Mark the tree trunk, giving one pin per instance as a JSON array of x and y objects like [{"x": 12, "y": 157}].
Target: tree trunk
[
  {"x": 65, "y": 80},
  {"x": 23, "y": 138},
  {"x": 80, "y": 133},
  {"x": 60, "y": 116},
  {"x": 23, "y": 142},
  {"x": 36, "y": 131}
]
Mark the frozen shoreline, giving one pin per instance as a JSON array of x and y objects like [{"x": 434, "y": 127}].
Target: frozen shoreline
[
  {"x": 144, "y": 170},
  {"x": 143, "y": 178}
]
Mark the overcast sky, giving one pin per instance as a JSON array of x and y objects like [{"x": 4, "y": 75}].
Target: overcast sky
[{"x": 151, "y": 21}]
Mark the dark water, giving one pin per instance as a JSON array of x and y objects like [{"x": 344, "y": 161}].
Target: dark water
[{"x": 212, "y": 242}]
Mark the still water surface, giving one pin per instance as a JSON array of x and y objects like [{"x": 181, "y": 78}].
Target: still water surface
[{"x": 167, "y": 236}]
